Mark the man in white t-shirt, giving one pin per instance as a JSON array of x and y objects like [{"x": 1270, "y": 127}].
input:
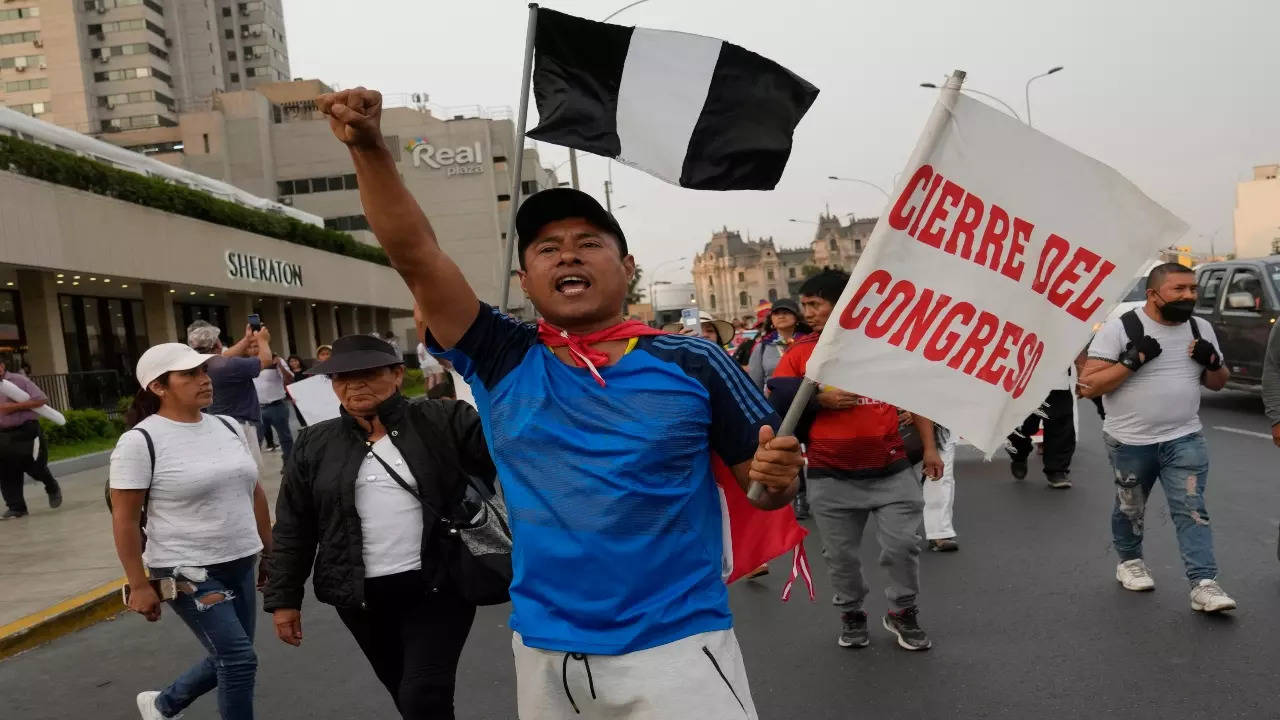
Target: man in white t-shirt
[
  {"x": 1149, "y": 376},
  {"x": 273, "y": 403}
]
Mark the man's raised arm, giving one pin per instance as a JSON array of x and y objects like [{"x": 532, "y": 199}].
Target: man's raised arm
[{"x": 448, "y": 303}]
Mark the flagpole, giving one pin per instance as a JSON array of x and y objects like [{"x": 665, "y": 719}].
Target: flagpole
[
  {"x": 928, "y": 141},
  {"x": 518, "y": 175}
]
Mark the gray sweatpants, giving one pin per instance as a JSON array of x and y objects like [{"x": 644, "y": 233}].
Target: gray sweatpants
[{"x": 841, "y": 508}]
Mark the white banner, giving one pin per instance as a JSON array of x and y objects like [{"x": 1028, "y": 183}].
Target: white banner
[
  {"x": 315, "y": 399},
  {"x": 986, "y": 274}
]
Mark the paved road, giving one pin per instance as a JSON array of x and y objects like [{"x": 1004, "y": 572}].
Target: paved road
[{"x": 1027, "y": 622}]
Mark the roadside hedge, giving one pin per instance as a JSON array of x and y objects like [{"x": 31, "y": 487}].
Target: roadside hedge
[
  {"x": 81, "y": 425},
  {"x": 64, "y": 168}
]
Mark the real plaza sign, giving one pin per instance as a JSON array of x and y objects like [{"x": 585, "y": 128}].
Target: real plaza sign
[
  {"x": 241, "y": 266},
  {"x": 462, "y": 160}
]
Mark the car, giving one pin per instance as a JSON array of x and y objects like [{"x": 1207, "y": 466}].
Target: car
[{"x": 1240, "y": 299}]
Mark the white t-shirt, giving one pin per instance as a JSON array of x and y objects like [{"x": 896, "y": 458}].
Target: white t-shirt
[
  {"x": 390, "y": 517},
  {"x": 428, "y": 362},
  {"x": 201, "y": 504},
  {"x": 270, "y": 384},
  {"x": 1161, "y": 401}
]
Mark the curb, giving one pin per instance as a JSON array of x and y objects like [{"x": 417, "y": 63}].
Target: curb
[
  {"x": 68, "y": 616},
  {"x": 80, "y": 463}
]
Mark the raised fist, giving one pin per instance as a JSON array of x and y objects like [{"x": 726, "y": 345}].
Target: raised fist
[{"x": 355, "y": 117}]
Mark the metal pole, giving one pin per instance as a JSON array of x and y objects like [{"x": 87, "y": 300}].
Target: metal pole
[
  {"x": 573, "y": 167},
  {"x": 608, "y": 198},
  {"x": 928, "y": 141},
  {"x": 510, "y": 244}
]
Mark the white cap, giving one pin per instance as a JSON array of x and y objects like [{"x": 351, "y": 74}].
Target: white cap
[{"x": 167, "y": 357}]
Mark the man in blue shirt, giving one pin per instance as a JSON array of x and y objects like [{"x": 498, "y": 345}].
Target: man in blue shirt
[
  {"x": 604, "y": 435},
  {"x": 232, "y": 371}
]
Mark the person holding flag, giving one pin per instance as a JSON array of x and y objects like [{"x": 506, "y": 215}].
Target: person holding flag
[
  {"x": 858, "y": 467},
  {"x": 604, "y": 434}
]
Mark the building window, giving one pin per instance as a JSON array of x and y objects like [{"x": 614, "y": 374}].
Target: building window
[
  {"x": 742, "y": 277},
  {"x": 231, "y": 54},
  {"x": 226, "y": 12},
  {"x": 257, "y": 72},
  {"x": 742, "y": 299},
  {"x": 347, "y": 223},
  {"x": 110, "y": 101},
  {"x": 713, "y": 301},
  {"x": 130, "y": 49},
  {"x": 773, "y": 295},
  {"x": 528, "y": 187},
  {"x": 109, "y": 4},
  {"x": 124, "y": 25},
  {"x": 235, "y": 77},
  {"x": 831, "y": 244},
  {"x": 135, "y": 122},
  {"x": 11, "y": 331},
  {"x": 791, "y": 273},
  {"x": 504, "y": 198},
  {"x": 229, "y": 34},
  {"x": 770, "y": 274},
  {"x": 20, "y": 13},
  {"x": 19, "y": 37},
  {"x": 32, "y": 84},
  {"x": 21, "y": 61},
  {"x": 131, "y": 73},
  {"x": 32, "y": 109},
  {"x": 251, "y": 7}
]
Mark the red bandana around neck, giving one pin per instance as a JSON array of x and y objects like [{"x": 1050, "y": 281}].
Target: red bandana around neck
[{"x": 580, "y": 346}]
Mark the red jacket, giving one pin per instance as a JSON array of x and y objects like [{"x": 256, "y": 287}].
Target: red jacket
[{"x": 858, "y": 442}]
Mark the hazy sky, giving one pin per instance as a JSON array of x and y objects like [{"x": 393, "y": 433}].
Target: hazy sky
[{"x": 1178, "y": 95}]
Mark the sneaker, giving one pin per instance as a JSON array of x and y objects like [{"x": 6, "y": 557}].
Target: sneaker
[
  {"x": 13, "y": 514},
  {"x": 904, "y": 624},
  {"x": 55, "y": 498},
  {"x": 1058, "y": 480},
  {"x": 853, "y": 630},
  {"x": 1018, "y": 468},
  {"x": 944, "y": 545},
  {"x": 1133, "y": 575},
  {"x": 147, "y": 706},
  {"x": 1207, "y": 596},
  {"x": 758, "y": 572}
]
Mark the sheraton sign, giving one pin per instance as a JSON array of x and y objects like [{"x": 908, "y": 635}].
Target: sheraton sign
[{"x": 241, "y": 266}]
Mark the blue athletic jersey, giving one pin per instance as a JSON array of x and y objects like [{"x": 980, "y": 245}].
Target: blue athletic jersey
[{"x": 614, "y": 509}]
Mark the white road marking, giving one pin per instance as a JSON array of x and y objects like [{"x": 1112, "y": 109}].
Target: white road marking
[{"x": 1238, "y": 431}]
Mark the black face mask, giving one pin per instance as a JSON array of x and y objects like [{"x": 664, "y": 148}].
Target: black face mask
[{"x": 1177, "y": 311}]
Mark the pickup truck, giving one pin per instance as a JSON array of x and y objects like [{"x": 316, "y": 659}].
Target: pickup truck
[{"x": 1239, "y": 298}]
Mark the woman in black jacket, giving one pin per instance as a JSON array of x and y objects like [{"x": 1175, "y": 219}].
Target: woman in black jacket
[{"x": 354, "y": 501}]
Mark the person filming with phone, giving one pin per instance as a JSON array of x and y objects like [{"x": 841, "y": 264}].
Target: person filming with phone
[
  {"x": 189, "y": 517},
  {"x": 233, "y": 371}
]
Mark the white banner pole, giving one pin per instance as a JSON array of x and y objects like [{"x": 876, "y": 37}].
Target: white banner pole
[
  {"x": 518, "y": 174},
  {"x": 924, "y": 148}
]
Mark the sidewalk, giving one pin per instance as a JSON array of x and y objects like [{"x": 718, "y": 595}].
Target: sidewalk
[{"x": 54, "y": 562}]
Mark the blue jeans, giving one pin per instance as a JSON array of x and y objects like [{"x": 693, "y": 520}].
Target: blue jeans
[
  {"x": 276, "y": 417},
  {"x": 221, "y": 613},
  {"x": 1182, "y": 467}
]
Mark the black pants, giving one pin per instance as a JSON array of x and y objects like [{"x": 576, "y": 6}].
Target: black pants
[
  {"x": 413, "y": 638},
  {"x": 18, "y": 457},
  {"x": 1059, "y": 433}
]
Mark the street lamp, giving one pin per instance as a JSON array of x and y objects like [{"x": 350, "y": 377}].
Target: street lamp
[
  {"x": 1027, "y": 90},
  {"x": 806, "y": 222},
  {"x": 983, "y": 94},
  {"x": 856, "y": 180}
]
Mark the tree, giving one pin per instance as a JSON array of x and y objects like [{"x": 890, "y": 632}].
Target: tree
[{"x": 633, "y": 292}]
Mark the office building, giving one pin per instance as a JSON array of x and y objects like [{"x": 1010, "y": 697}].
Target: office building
[{"x": 1257, "y": 213}]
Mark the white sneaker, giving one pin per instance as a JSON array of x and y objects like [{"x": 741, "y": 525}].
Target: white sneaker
[
  {"x": 1133, "y": 575},
  {"x": 1208, "y": 596},
  {"x": 147, "y": 706}
]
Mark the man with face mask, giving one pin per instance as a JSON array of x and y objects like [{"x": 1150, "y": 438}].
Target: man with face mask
[{"x": 1148, "y": 368}]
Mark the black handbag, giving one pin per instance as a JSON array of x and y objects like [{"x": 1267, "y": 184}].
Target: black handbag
[
  {"x": 475, "y": 541},
  {"x": 911, "y": 442}
]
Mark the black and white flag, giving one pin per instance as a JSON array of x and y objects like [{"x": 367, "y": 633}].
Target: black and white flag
[{"x": 695, "y": 111}]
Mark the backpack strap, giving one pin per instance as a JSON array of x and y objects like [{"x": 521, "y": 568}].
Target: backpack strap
[
  {"x": 151, "y": 447},
  {"x": 1195, "y": 327},
  {"x": 1132, "y": 326},
  {"x": 227, "y": 425}
]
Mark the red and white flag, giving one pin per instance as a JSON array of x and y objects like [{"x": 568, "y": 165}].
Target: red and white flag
[{"x": 986, "y": 274}]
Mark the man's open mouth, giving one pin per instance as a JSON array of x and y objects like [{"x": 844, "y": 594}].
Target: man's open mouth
[{"x": 572, "y": 285}]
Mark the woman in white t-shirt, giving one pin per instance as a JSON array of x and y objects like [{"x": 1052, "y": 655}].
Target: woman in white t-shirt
[{"x": 189, "y": 482}]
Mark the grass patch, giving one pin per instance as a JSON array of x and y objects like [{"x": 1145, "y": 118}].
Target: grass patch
[
  {"x": 83, "y": 447},
  {"x": 414, "y": 385}
]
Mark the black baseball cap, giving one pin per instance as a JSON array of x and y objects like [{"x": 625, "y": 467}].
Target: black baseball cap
[{"x": 554, "y": 204}]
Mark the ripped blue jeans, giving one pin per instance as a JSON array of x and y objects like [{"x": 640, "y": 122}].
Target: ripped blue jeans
[
  {"x": 1182, "y": 466},
  {"x": 221, "y": 614}
]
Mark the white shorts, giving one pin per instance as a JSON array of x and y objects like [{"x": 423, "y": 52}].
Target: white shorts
[{"x": 701, "y": 677}]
